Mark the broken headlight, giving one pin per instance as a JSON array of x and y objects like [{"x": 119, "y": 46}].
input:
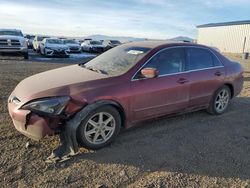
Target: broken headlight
[{"x": 50, "y": 106}]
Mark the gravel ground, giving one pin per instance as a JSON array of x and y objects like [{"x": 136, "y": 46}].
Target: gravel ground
[{"x": 191, "y": 150}]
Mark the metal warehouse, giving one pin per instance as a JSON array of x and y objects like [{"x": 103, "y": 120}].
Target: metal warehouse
[{"x": 231, "y": 37}]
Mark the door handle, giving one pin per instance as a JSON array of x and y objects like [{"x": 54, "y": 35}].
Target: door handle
[
  {"x": 218, "y": 73},
  {"x": 182, "y": 81}
]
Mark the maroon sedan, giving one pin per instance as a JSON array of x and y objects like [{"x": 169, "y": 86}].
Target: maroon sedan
[{"x": 127, "y": 84}]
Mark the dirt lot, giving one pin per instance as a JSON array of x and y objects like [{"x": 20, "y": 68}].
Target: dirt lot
[{"x": 192, "y": 150}]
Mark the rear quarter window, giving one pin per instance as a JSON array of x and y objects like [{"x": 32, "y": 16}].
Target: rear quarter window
[{"x": 216, "y": 61}]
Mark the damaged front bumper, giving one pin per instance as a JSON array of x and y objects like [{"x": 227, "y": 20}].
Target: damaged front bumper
[{"x": 29, "y": 124}]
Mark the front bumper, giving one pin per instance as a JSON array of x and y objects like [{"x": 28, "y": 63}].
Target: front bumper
[
  {"x": 98, "y": 49},
  {"x": 75, "y": 50},
  {"x": 14, "y": 49},
  {"x": 29, "y": 124},
  {"x": 54, "y": 52}
]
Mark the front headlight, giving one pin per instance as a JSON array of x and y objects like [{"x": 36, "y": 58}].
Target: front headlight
[
  {"x": 49, "y": 106},
  {"x": 24, "y": 43}
]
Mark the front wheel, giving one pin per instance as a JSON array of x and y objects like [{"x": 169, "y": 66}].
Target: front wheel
[
  {"x": 220, "y": 101},
  {"x": 99, "y": 128}
]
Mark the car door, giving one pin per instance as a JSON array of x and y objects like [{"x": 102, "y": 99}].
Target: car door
[
  {"x": 206, "y": 75},
  {"x": 164, "y": 94}
]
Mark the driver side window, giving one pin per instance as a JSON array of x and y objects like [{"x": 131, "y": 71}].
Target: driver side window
[{"x": 168, "y": 61}]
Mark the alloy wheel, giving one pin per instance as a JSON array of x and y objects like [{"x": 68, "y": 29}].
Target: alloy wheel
[
  {"x": 100, "y": 128},
  {"x": 222, "y": 100}
]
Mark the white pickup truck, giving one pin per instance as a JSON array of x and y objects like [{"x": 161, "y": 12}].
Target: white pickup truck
[{"x": 12, "y": 41}]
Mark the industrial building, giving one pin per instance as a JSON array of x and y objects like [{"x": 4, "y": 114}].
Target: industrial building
[{"x": 229, "y": 37}]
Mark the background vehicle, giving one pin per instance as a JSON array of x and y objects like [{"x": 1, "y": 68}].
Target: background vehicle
[
  {"x": 36, "y": 42},
  {"x": 73, "y": 45},
  {"x": 12, "y": 41},
  {"x": 125, "y": 85},
  {"x": 30, "y": 40},
  {"x": 111, "y": 44},
  {"x": 54, "y": 47},
  {"x": 92, "y": 46}
]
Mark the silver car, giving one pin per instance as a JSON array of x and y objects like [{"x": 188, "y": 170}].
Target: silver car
[
  {"x": 92, "y": 46},
  {"x": 54, "y": 47},
  {"x": 73, "y": 45}
]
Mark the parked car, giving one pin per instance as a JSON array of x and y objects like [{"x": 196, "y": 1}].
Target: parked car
[
  {"x": 54, "y": 47},
  {"x": 125, "y": 85},
  {"x": 12, "y": 41},
  {"x": 73, "y": 45},
  {"x": 111, "y": 44},
  {"x": 92, "y": 46},
  {"x": 36, "y": 42},
  {"x": 30, "y": 39}
]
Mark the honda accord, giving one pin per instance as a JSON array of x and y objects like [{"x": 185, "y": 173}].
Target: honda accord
[{"x": 125, "y": 85}]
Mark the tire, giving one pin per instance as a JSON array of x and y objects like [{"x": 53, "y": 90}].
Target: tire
[
  {"x": 220, "y": 101},
  {"x": 26, "y": 55},
  {"x": 93, "y": 133}
]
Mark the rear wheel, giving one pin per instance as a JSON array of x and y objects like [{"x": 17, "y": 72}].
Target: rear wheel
[
  {"x": 99, "y": 128},
  {"x": 220, "y": 101}
]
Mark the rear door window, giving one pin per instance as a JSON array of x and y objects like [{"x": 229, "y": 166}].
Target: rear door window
[{"x": 199, "y": 58}]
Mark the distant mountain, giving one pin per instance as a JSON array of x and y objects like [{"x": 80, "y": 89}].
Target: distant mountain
[
  {"x": 182, "y": 38},
  {"x": 122, "y": 39},
  {"x": 127, "y": 39}
]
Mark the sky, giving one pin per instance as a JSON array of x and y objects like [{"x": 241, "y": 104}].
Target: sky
[{"x": 155, "y": 19}]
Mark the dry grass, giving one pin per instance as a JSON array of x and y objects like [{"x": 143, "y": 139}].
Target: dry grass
[{"x": 192, "y": 150}]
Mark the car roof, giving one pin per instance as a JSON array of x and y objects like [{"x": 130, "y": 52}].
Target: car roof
[{"x": 160, "y": 43}]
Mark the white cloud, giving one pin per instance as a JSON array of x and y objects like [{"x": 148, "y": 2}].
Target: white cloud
[
  {"x": 139, "y": 18},
  {"x": 81, "y": 22}
]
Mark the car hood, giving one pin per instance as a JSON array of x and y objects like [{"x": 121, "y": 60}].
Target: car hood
[
  {"x": 57, "y": 46},
  {"x": 57, "y": 82},
  {"x": 11, "y": 37}
]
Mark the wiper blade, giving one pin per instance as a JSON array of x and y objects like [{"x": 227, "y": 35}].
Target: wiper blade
[{"x": 95, "y": 70}]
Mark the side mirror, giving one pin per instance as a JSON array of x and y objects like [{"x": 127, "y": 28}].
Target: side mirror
[{"x": 149, "y": 72}]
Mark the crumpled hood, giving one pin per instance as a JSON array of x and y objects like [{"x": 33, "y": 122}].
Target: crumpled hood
[
  {"x": 11, "y": 37},
  {"x": 55, "y": 82},
  {"x": 57, "y": 46}
]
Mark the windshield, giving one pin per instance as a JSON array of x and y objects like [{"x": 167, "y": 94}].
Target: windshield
[
  {"x": 13, "y": 33},
  {"x": 118, "y": 60},
  {"x": 115, "y": 42},
  {"x": 70, "y": 42},
  {"x": 95, "y": 42},
  {"x": 40, "y": 38},
  {"x": 54, "y": 41}
]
